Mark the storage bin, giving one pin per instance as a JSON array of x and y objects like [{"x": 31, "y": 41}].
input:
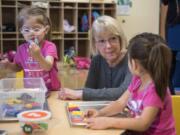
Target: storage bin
[{"x": 20, "y": 94}]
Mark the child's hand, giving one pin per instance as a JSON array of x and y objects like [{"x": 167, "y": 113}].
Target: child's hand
[
  {"x": 3, "y": 66},
  {"x": 91, "y": 113},
  {"x": 98, "y": 123},
  {"x": 35, "y": 51}
]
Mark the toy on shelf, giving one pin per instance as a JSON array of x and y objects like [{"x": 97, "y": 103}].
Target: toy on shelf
[
  {"x": 82, "y": 62},
  {"x": 9, "y": 55},
  {"x": 69, "y": 55},
  {"x": 71, "y": 59},
  {"x": 84, "y": 23},
  {"x": 67, "y": 27}
]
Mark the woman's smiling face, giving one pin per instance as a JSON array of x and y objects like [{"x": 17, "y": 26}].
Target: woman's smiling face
[{"x": 108, "y": 45}]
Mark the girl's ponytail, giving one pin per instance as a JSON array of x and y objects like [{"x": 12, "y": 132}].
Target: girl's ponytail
[{"x": 158, "y": 65}]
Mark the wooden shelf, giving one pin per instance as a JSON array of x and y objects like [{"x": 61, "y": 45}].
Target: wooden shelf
[{"x": 58, "y": 11}]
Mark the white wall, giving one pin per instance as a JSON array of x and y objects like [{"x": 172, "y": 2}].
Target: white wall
[{"x": 144, "y": 17}]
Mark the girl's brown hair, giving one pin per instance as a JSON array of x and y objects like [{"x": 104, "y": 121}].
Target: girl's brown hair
[
  {"x": 154, "y": 56},
  {"x": 27, "y": 12}
]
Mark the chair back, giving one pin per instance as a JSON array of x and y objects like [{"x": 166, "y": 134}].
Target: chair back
[{"x": 176, "y": 112}]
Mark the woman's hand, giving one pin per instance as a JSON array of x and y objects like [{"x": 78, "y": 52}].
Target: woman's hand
[
  {"x": 97, "y": 123},
  {"x": 66, "y": 93}
]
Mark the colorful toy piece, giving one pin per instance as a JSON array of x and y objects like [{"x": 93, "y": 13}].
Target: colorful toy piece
[
  {"x": 12, "y": 101},
  {"x": 12, "y": 106},
  {"x": 76, "y": 115},
  {"x": 30, "y": 126},
  {"x": 73, "y": 107},
  {"x": 82, "y": 62},
  {"x": 28, "y": 106},
  {"x": 85, "y": 23},
  {"x": 77, "y": 119}
]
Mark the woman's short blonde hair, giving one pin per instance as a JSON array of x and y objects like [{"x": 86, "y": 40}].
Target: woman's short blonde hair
[{"x": 107, "y": 24}]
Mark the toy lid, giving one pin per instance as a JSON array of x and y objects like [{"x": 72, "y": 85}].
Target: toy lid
[{"x": 34, "y": 115}]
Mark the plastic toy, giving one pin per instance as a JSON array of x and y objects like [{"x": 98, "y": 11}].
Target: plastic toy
[
  {"x": 9, "y": 55},
  {"x": 68, "y": 27},
  {"x": 34, "y": 120},
  {"x": 69, "y": 55},
  {"x": 82, "y": 62},
  {"x": 73, "y": 107},
  {"x": 85, "y": 24},
  {"x": 30, "y": 126},
  {"x": 12, "y": 106},
  {"x": 76, "y": 115},
  {"x": 95, "y": 15}
]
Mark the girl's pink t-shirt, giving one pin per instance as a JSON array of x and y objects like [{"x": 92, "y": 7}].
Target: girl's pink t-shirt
[
  {"x": 32, "y": 68},
  {"x": 164, "y": 123}
]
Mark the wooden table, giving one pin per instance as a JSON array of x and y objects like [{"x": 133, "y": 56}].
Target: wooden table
[{"x": 58, "y": 125}]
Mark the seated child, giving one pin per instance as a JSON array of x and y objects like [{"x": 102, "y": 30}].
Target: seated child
[
  {"x": 37, "y": 57},
  {"x": 148, "y": 96}
]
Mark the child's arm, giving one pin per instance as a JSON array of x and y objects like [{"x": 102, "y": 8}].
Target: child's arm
[
  {"x": 140, "y": 123},
  {"x": 46, "y": 63},
  {"x": 112, "y": 109},
  {"x": 116, "y": 106}
]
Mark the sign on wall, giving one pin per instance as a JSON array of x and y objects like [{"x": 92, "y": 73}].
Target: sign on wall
[{"x": 124, "y": 7}]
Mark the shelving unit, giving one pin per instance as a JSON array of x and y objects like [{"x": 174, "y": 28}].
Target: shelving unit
[{"x": 58, "y": 11}]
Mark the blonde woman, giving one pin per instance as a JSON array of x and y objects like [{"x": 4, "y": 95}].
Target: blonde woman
[{"x": 108, "y": 75}]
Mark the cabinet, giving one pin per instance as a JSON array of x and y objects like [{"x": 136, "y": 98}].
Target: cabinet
[{"x": 72, "y": 11}]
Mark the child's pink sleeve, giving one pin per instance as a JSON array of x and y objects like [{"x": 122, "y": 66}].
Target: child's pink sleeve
[
  {"x": 133, "y": 83},
  {"x": 50, "y": 49}
]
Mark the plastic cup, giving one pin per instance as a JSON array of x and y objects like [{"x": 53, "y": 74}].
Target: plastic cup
[{"x": 34, "y": 120}]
